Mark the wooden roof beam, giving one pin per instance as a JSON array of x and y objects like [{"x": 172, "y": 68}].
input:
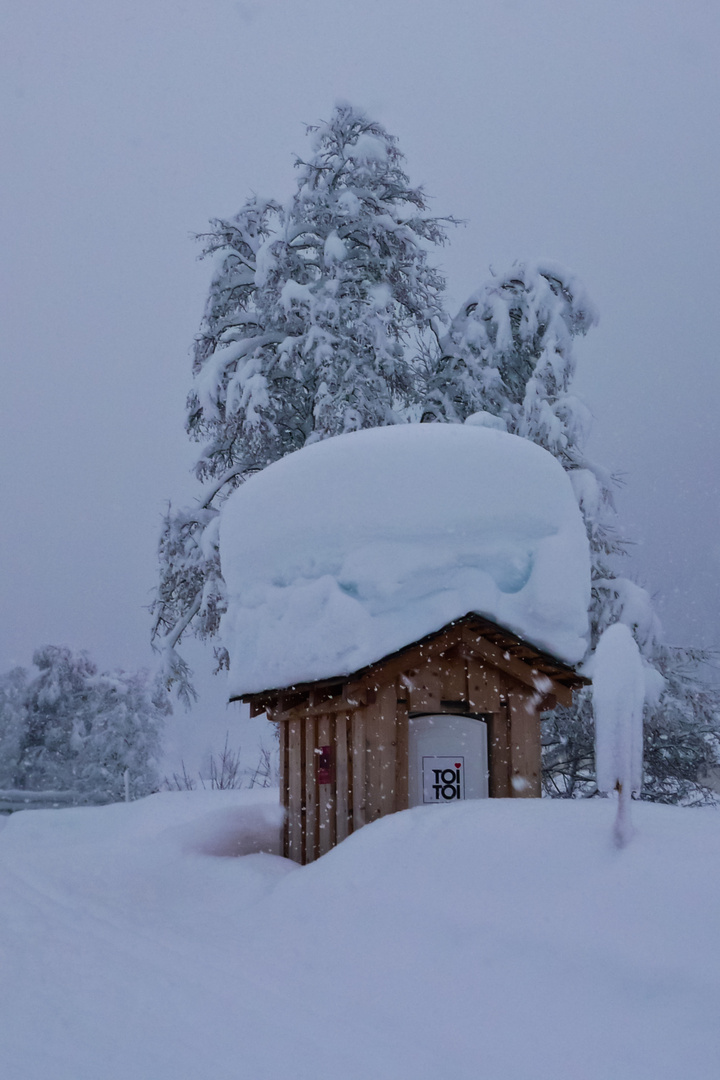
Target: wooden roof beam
[{"x": 518, "y": 669}]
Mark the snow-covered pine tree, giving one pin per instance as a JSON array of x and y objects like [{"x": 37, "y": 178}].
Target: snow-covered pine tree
[
  {"x": 82, "y": 729},
  {"x": 126, "y": 718},
  {"x": 509, "y": 354},
  {"x": 57, "y": 700},
  {"x": 508, "y": 358},
  {"x": 13, "y": 689},
  {"x": 312, "y": 310}
]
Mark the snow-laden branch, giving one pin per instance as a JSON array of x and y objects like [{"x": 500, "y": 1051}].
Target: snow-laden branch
[{"x": 172, "y": 638}]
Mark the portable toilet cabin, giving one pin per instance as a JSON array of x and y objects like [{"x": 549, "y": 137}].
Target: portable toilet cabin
[{"x": 404, "y": 602}]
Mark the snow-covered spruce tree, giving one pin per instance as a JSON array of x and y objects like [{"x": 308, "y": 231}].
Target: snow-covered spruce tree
[
  {"x": 127, "y": 715},
  {"x": 312, "y": 310},
  {"x": 57, "y": 700},
  {"x": 13, "y": 689},
  {"x": 508, "y": 357},
  {"x": 82, "y": 729}
]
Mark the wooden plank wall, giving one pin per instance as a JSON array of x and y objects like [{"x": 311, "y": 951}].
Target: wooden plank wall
[
  {"x": 365, "y": 772},
  {"x": 369, "y": 744}
]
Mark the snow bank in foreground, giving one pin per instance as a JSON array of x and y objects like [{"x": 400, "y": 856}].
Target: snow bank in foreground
[
  {"x": 354, "y": 547},
  {"x": 490, "y": 939}
]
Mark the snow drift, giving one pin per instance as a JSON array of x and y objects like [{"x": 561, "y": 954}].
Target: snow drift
[
  {"x": 496, "y": 938},
  {"x": 354, "y": 547}
]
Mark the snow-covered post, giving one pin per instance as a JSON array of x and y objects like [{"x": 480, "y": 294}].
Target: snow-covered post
[
  {"x": 126, "y": 777},
  {"x": 618, "y": 699}
]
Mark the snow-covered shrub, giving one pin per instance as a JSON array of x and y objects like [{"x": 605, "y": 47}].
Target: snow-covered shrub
[
  {"x": 13, "y": 690},
  {"x": 79, "y": 730}
]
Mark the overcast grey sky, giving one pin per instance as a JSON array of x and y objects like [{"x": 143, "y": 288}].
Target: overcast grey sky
[{"x": 579, "y": 131}]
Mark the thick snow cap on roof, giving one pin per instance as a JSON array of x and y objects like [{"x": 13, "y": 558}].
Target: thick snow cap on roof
[{"x": 352, "y": 548}]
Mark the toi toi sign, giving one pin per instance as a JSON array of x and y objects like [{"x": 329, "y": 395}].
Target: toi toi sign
[{"x": 443, "y": 779}]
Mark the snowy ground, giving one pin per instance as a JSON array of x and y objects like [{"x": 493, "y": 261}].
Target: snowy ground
[{"x": 492, "y": 940}]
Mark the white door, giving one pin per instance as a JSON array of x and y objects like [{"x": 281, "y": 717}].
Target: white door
[{"x": 447, "y": 759}]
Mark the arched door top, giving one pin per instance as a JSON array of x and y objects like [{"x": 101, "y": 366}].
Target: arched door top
[{"x": 448, "y": 760}]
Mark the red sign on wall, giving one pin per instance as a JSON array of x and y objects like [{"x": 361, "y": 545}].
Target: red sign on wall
[{"x": 326, "y": 765}]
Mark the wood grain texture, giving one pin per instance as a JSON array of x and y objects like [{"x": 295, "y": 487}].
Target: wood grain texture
[
  {"x": 387, "y": 747},
  {"x": 326, "y": 792},
  {"x": 359, "y": 773},
  {"x": 295, "y": 791},
  {"x": 283, "y": 782},
  {"x": 311, "y": 848},
  {"x": 483, "y": 687},
  {"x": 401, "y": 755},
  {"x": 525, "y": 746},
  {"x": 425, "y": 686},
  {"x": 342, "y": 813}
]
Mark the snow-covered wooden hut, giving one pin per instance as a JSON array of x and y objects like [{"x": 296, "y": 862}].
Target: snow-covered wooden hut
[{"x": 404, "y": 602}]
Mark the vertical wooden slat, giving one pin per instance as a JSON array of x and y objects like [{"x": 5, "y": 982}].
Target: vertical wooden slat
[
  {"x": 283, "y": 781},
  {"x": 373, "y": 739},
  {"x": 483, "y": 687},
  {"x": 326, "y": 799},
  {"x": 525, "y": 745},
  {"x": 295, "y": 792},
  {"x": 359, "y": 778},
  {"x": 387, "y": 747},
  {"x": 425, "y": 687},
  {"x": 453, "y": 678},
  {"x": 401, "y": 756},
  {"x": 311, "y": 796},
  {"x": 342, "y": 773},
  {"x": 499, "y": 752},
  {"x": 350, "y": 778}
]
